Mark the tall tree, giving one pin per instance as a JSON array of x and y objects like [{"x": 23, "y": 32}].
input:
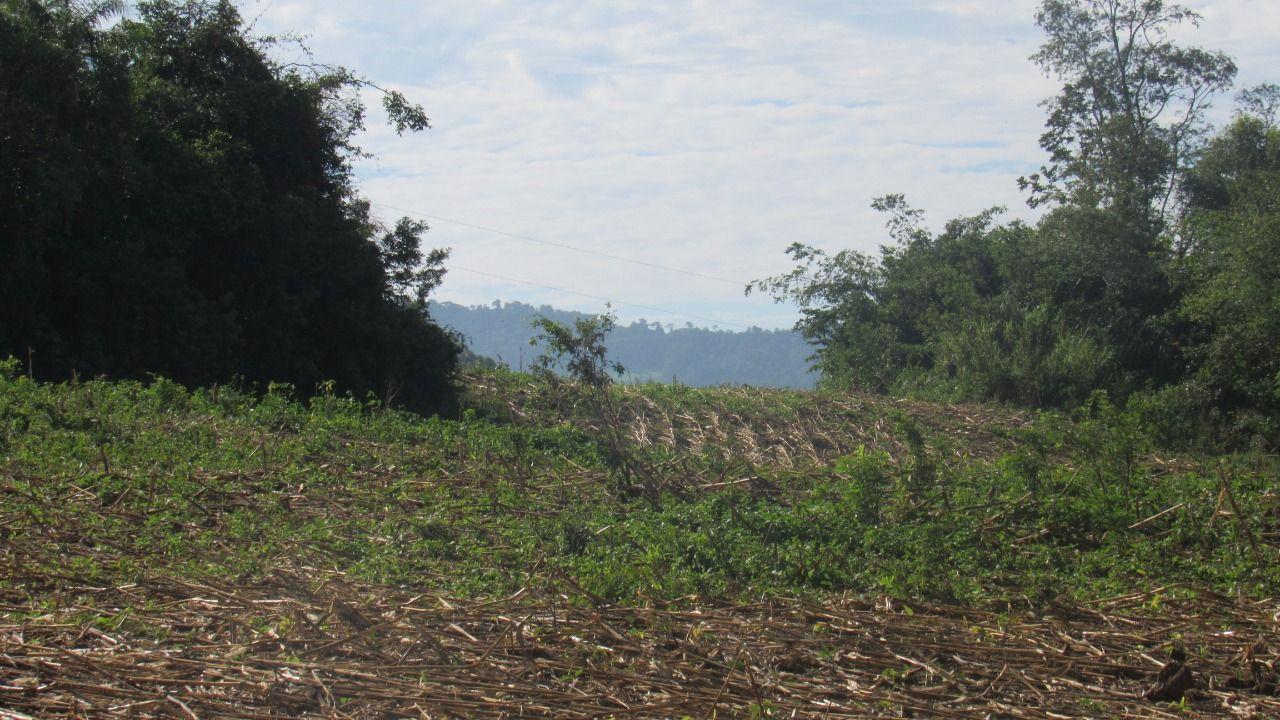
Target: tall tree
[
  {"x": 1131, "y": 110},
  {"x": 179, "y": 203},
  {"x": 1120, "y": 135}
]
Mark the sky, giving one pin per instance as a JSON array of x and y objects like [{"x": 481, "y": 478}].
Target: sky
[{"x": 661, "y": 155}]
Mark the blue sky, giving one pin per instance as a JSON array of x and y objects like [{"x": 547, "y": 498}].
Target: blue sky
[{"x": 703, "y": 136}]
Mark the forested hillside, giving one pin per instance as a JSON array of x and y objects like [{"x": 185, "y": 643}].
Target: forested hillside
[{"x": 648, "y": 351}]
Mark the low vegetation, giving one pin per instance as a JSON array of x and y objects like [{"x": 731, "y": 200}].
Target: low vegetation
[
  {"x": 762, "y": 495},
  {"x": 128, "y": 478}
]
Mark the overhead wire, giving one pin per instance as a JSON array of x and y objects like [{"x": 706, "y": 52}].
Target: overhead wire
[
  {"x": 619, "y": 258},
  {"x": 609, "y": 300},
  {"x": 567, "y": 246}
]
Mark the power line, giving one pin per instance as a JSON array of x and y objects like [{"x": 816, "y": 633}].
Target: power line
[
  {"x": 566, "y": 246},
  {"x": 598, "y": 297}
]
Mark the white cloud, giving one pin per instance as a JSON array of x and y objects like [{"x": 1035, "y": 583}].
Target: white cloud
[{"x": 704, "y": 135}]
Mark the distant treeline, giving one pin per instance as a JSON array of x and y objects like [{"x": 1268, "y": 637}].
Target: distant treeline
[{"x": 648, "y": 350}]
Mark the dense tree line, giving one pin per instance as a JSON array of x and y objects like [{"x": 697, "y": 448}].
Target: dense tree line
[
  {"x": 649, "y": 351},
  {"x": 174, "y": 201},
  {"x": 1154, "y": 275}
]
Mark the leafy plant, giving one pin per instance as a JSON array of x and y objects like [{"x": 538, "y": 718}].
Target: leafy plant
[{"x": 581, "y": 352}]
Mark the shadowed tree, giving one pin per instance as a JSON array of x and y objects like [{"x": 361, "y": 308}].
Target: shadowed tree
[{"x": 179, "y": 203}]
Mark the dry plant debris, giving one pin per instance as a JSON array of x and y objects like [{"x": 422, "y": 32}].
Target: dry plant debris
[
  {"x": 814, "y": 432},
  {"x": 99, "y": 619},
  {"x": 310, "y": 643}
]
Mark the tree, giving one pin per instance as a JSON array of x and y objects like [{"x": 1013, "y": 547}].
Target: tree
[
  {"x": 1120, "y": 136},
  {"x": 1230, "y": 276},
  {"x": 176, "y": 202},
  {"x": 1131, "y": 110},
  {"x": 1261, "y": 102},
  {"x": 840, "y": 315},
  {"x": 408, "y": 273},
  {"x": 579, "y": 350}
]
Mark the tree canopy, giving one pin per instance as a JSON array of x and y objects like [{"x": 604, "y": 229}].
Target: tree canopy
[
  {"x": 1131, "y": 109},
  {"x": 177, "y": 202},
  {"x": 1153, "y": 276}
]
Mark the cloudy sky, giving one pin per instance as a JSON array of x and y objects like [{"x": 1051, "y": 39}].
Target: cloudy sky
[{"x": 576, "y": 146}]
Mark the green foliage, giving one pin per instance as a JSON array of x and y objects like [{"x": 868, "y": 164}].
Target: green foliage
[
  {"x": 1113, "y": 441},
  {"x": 580, "y": 351},
  {"x": 113, "y": 481},
  {"x": 1230, "y": 277},
  {"x": 1010, "y": 354},
  {"x": 957, "y": 316},
  {"x": 174, "y": 201},
  {"x": 1152, "y": 278},
  {"x": 865, "y": 487},
  {"x": 837, "y": 296},
  {"x": 1104, "y": 275},
  {"x": 408, "y": 273}
]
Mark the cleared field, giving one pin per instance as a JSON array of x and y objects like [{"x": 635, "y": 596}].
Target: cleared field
[
  {"x": 306, "y": 642},
  {"x": 211, "y": 555}
]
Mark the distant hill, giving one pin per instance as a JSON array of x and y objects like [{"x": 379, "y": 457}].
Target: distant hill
[{"x": 649, "y": 351}]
